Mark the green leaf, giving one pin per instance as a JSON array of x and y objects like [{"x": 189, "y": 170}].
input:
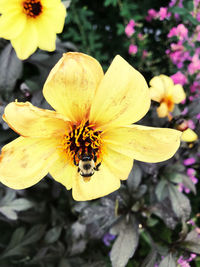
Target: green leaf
[
  {"x": 192, "y": 19},
  {"x": 179, "y": 10},
  {"x": 192, "y": 242},
  {"x": 110, "y": 2},
  {"x": 9, "y": 205},
  {"x": 126, "y": 243},
  {"x": 134, "y": 178},
  {"x": 19, "y": 241},
  {"x": 11, "y": 68},
  {"x": 53, "y": 234},
  {"x": 168, "y": 261},
  {"x": 187, "y": 182},
  {"x": 150, "y": 259},
  {"x": 180, "y": 203},
  {"x": 161, "y": 190}
]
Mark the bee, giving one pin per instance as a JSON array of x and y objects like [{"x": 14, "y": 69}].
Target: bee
[{"x": 87, "y": 165}]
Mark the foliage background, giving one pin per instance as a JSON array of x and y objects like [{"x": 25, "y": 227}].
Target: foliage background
[{"x": 148, "y": 221}]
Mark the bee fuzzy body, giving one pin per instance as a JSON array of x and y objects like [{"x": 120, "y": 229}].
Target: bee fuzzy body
[{"x": 87, "y": 166}]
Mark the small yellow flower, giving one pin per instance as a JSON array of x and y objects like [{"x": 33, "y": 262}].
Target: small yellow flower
[
  {"x": 189, "y": 135},
  {"x": 164, "y": 91},
  {"x": 88, "y": 143},
  {"x": 31, "y": 23}
]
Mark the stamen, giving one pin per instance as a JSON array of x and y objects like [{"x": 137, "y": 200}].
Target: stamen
[
  {"x": 32, "y": 8},
  {"x": 82, "y": 140}
]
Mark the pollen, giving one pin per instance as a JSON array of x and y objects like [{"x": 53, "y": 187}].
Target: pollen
[
  {"x": 32, "y": 8},
  {"x": 82, "y": 140}
]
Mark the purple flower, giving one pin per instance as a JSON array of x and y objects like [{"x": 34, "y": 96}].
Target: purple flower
[{"x": 108, "y": 238}]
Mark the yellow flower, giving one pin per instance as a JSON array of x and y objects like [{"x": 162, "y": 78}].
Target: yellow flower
[
  {"x": 88, "y": 143},
  {"x": 164, "y": 91},
  {"x": 189, "y": 135},
  {"x": 31, "y": 23}
]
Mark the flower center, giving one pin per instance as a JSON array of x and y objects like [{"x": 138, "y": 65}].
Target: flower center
[
  {"x": 32, "y": 8},
  {"x": 83, "y": 145},
  {"x": 169, "y": 102}
]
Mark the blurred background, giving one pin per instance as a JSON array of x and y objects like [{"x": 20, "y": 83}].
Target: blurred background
[{"x": 154, "y": 218}]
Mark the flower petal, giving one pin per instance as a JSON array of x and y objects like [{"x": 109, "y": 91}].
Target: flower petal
[
  {"x": 157, "y": 90},
  {"x": 120, "y": 164},
  {"x": 189, "y": 136},
  {"x": 12, "y": 24},
  {"x": 26, "y": 43},
  {"x": 63, "y": 172},
  {"x": 122, "y": 96},
  {"x": 25, "y": 161},
  {"x": 71, "y": 85},
  {"x": 162, "y": 110},
  {"x": 102, "y": 183},
  {"x": 28, "y": 120},
  {"x": 178, "y": 94},
  {"x": 46, "y": 35},
  {"x": 56, "y": 12},
  {"x": 143, "y": 143}
]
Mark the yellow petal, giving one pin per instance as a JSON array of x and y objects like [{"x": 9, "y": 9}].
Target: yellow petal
[
  {"x": 167, "y": 82},
  {"x": 46, "y": 35},
  {"x": 55, "y": 11},
  {"x": 12, "y": 24},
  {"x": 157, "y": 90},
  {"x": 26, "y": 43},
  {"x": 25, "y": 161},
  {"x": 122, "y": 96},
  {"x": 28, "y": 120},
  {"x": 143, "y": 143},
  {"x": 102, "y": 183},
  {"x": 63, "y": 172},
  {"x": 162, "y": 110},
  {"x": 120, "y": 164},
  {"x": 178, "y": 94},
  {"x": 189, "y": 136},
  {"x": 71, "y": 85}
]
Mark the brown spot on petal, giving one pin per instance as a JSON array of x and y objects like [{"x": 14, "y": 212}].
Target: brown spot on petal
[{"x": 24, "y": 164}]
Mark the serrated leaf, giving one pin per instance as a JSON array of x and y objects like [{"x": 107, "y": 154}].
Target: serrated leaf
[
  {"x": 180, "y": 203},
  {"x": 53, "y": 234},
  {"x": 168, "y": 261},
  {"x": 192, "y": 242},
  {"x": 20, "y": 240},
  {"x": 126, "y": 243},
  {"x": 9, "y": 213},
  {"x": 11, "y": 68},
  {"x": 21, "y": 204},
  {"x": 134, "y": 178}
]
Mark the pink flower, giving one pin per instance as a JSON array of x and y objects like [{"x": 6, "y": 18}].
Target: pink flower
[
  {"x": 179, "y": 78},
  {"x": 129, "y": 30},
  {"x": 144, "y": 54},
  {"x": 194, "y": 65},
  {"x": 162, "y": 14},
  {"x": 151, "y": 14},
  {"x": 189, "y": 161},
  {"x": 191, "y": 124},
  {"x": 180, "y": 31},
  {"x": 198, "y": 16},
  {"x": 133, "y": 49}
]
